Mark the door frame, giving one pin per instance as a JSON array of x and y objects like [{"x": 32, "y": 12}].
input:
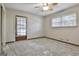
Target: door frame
[{"x": 16, "y": 25}]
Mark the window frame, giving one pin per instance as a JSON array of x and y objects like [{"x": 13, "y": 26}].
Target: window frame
[
  {"x": 62, "y": 23},
  {"x": 16, "y": 25}
]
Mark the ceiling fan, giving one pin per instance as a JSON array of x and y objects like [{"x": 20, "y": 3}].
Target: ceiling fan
[{"x": 46, "y": 6}]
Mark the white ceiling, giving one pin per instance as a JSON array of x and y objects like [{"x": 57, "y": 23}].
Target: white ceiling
[{"x": 29, "y": 7}]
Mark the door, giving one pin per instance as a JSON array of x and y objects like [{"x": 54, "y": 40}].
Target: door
[{"x": 21, "y": 28}]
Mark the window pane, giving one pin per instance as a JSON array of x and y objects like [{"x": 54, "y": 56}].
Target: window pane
[
  {"x": 69, "y": 20},
  {"x": 56, "y": 22}
]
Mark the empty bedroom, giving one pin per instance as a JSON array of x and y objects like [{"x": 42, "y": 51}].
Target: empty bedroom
[{"x": 39, "y": 29}]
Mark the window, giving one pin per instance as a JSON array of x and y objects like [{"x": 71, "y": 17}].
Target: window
[
  {"x": 56, "y": 22},
  {"x": 21, "y": 26},
  {"x": 64, "y": 21},
  {"x": 69, "y": 20}
]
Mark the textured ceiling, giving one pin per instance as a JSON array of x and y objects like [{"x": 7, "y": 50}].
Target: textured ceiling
[{"x": 29, "y": 7}]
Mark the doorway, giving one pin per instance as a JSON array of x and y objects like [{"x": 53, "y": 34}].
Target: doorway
[{"x": 21, "y": 28}]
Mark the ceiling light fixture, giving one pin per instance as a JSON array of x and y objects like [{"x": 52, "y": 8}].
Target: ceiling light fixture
[{"x": 46, "y": 6}]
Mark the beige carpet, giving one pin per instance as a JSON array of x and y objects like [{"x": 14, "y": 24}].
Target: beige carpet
[{"x": 41, "y": 47}]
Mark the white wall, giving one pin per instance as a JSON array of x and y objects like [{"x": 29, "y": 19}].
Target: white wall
[
  {"x": 3, "y": 25},
  {"x": 0, "y": 28},
  {"x": 34, "y": 24},
  {"x": 65, "y": 34}
]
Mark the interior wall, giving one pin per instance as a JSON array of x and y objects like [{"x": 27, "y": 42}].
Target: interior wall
[
  {"x": 34, "y": 24},
  {"x": 68, "y": 34},
  {"x": 3, "y": 24},
  {"x": 0, "y": 28}
]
